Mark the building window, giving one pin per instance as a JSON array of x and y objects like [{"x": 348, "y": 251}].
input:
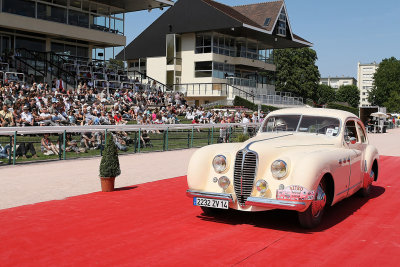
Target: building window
[
  {"x": 31, "y": 44},
  {"x": 282, "y": 23},
  {"x": 203, "y": 43},
  {"x": 214, "y": 69},
  {"x": 222, "y": 70},
  {"x": 70, "y": 50},
  {"x": 78, "y": 18},
  {"x": 267, "y": 21},
  {"x": 19, "y": 7},
  {"x": 203, "y": 69},
  {"x": 52, "y": 13}
]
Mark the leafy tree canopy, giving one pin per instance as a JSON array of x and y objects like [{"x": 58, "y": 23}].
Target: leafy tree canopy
[
  {"x": 324, "y": 94},
  {"x": 393, "y": 102},
  {"x": 349, "y": 94},
  {"x": 386, "y": 81},
  {"x": 296, "y": 71}
]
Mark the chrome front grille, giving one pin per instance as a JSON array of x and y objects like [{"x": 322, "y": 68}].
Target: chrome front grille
[{"x": 244, "y": 174}]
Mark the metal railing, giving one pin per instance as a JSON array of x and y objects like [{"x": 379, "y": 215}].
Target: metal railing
[
  {"x": 150, "y": 83},
  {"x": 69, "y": 141},
  {"x": 212, "y": 89}
]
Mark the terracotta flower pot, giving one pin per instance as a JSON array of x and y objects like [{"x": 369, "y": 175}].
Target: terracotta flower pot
[{"x": 107, "y": 184}]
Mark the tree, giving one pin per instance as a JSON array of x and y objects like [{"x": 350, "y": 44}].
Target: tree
[
  {"x": 324, "y": 94},
  {"x": 386, "y": 81},
  {"x": 349, "y": 94},
  {"x": 296, "y": 71},
  {"x": 393, "y": 102},
  {"x": 109, "y": 165}
]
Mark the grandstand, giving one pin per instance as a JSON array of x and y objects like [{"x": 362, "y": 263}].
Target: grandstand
[
  {"x": 67, "y": 39},
  {"x": 213, "y": 52}
]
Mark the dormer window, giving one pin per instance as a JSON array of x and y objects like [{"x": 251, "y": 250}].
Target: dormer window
[{"x": 267, "y": 21}]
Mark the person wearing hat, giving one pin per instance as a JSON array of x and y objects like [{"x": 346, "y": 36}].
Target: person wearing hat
[{"x": 27, "y": 117}]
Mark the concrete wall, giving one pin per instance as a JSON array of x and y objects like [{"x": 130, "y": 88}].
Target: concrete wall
[
  {"x": 59, "y": 29},
  {"x": 157, "y": 68}
]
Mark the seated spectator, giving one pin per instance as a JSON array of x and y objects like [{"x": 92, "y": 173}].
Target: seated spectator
[
  {"x": 23, "y": 149},
  {"x": 45, "y": 118},
  {"x": 6, "y": 117},
  {"x": 71, "y": 144},
  {"x": 27, "y": 117},
  {"x": 47, "y": 147},
  {"x": 4, "y": 151},
  {"x": 88, "y": 140}
]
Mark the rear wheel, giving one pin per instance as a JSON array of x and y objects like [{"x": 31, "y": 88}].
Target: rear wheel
[{"x": 313, "y": 215}]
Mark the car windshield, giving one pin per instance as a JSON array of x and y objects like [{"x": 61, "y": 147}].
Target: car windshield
[
  {"x": 286, "y": 123},
  {"x": 307, "y": 124}
]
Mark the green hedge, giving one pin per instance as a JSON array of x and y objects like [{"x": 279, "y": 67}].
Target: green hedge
[
  {"x": 241, "y": 102},
  {"x": 342, "y": 107}
]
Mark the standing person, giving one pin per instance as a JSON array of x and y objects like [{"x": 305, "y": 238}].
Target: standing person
[
  {"x": 223, "y": 131},
  {"x": 60, "y": 85},
  {"x": 245, "y": 120}
]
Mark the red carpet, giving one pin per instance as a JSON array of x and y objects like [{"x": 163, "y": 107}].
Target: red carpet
[{"x": 156, "y": 224}]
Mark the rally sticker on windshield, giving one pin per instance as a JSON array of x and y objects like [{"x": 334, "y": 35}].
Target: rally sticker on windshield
[{"x": 295, "y": 192}]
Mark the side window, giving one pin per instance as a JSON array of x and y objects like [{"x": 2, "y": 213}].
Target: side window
[
  {"x": 362, "y": 133},
  {"x": 350, "y": 131}
]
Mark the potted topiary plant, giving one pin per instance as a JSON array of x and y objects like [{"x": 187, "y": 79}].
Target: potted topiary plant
[{"x": 109, "y": 165}]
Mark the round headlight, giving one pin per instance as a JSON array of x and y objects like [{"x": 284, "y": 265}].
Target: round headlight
[
  {"x": 219, "y": 163},
  {"x": 279, "y": 169},
  {"x": 224, "y": 182},
  {"x": 262, "y": 186}
]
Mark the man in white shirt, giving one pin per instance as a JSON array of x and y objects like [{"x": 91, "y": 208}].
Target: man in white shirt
[
  {"x": 26, "y": 117},
  {"x": 45, "y": 118}
]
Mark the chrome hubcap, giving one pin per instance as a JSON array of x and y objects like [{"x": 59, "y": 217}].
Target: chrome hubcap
[{"x": 319, "y": 202}]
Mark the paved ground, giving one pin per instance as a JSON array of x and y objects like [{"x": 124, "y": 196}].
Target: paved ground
[
  {"x": 33, "y": 183},
  {"x": 38, "y": 182},
  {"x": 388, "y": 144}
]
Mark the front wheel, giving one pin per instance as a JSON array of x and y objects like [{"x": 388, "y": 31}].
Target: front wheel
[{"x": 313, "y": 215}]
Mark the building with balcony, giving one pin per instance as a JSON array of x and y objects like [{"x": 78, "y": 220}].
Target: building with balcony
[
  {"x": 336, "y": 82},
  {"x": 212, "y": 52},
  {"x": 365, "y": 76},
  {"x": 89, "y": 29}
]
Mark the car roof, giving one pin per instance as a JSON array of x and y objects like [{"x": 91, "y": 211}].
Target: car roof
[{"x": 343, "y": 115}]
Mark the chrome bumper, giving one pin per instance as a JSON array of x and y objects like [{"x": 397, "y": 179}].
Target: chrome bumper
[
  {"x": 252, "y": 201},
  {"x": 275, "y": 204},
  {"x": 221, "y": 196}
]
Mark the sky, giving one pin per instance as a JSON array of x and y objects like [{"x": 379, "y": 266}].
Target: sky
[{"x": 344, "y": 32}]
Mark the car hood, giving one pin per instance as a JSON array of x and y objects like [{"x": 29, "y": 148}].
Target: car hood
[{"x": 285, "y": 140}]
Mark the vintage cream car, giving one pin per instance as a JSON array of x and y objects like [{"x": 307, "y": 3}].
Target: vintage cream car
[{"x": 302, "y": 159}]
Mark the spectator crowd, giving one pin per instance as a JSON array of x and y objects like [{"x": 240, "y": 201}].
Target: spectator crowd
[{"x": 42, "y": 104}]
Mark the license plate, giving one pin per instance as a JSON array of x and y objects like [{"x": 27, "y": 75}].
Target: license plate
[{"x": 211, "y": 203}]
